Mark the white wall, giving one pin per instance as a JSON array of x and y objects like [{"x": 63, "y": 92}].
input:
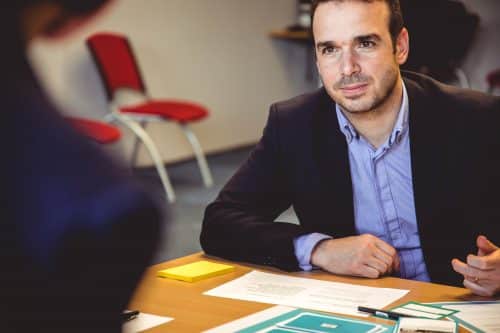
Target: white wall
[
  {"x": 485, "y": 53},
  {"x": 215, "y": 52},
  {"x": 218, "y": 53}
]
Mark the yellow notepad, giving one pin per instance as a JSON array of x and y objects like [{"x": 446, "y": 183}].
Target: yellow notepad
[{"x": 195, "y": 271}]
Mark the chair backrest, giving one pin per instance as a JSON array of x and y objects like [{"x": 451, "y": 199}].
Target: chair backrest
[
  {"x": 116, "y": 62},
  {"x": 493, "y": 79}
]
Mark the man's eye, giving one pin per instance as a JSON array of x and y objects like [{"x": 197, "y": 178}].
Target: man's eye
[
  {"x": 329, "y": 50},
  {"x": 367, "y": 44}
]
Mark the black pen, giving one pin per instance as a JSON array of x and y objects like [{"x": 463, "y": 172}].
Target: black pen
[
  {"x": 129, "y": 315},
  {"x": 383, "y": 313}
]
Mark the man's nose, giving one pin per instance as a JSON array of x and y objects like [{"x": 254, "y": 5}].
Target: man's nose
[{"x": 349, "y": 64}]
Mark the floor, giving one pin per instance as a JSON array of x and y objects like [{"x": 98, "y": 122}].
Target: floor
[{"x": 181, "y": 236}]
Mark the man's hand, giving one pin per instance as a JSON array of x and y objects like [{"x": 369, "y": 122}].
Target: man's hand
[
  {"x": 364, "y": 255},
  {"x": 482, "y": 271}
]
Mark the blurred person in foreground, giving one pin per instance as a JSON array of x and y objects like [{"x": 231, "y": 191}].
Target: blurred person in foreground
[
  {"x": 389, "y": 172},
  {"x": 76, "y": 232}
]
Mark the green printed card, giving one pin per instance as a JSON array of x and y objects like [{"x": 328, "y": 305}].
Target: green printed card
[
  {"x": 421, "y": 310},
  {"x": 303, "y": 321}
]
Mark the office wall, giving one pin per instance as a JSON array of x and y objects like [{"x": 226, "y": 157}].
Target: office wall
[
  {"x": 485, "y": 53},
  {"x": 218, "y": 53},
  {"x": 215, "y": 52}
]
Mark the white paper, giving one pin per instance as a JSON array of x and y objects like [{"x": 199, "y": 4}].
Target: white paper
[
  {"x": 143, "y": 322},
  {"x": 485, "y": 316},
  {"x": 416, "y": 313},
  {"x": 424, "y": 325},
  {"x": 306, "y": 293},
  {"x": 250, "y": 320},
  {"x": 429, "y": 309},
  {"x": 262, "y": 316}
]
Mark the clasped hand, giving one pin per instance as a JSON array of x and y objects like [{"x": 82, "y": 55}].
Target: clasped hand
[
  {"x": 482, "y": 271},
  {"x": 364, "y": 255}
]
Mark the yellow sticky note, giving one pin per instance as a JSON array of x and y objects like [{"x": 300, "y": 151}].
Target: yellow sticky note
[{"x": 195, "y": 271}]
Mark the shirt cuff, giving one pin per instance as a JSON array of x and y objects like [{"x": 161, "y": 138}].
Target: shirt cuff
[{"x": 304, "y": 246}]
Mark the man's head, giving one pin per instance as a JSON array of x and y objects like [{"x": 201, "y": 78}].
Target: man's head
[
  {"x": 396, "y": 22},
  {"x": 359, "y": 50}
]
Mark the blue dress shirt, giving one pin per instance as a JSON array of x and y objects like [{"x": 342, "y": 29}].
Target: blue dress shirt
[{"x": 382, "y": 193}]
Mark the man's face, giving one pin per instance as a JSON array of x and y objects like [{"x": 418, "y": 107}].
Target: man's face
[{"x": 355, "y": 55}]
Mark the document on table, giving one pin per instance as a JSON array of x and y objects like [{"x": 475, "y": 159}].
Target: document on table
[
  {"x": 476, "y": 316},
  {"x": 285, "y": 319},
  {"x": 306, "y": 293},
  {"x": 143, "y": 322}
]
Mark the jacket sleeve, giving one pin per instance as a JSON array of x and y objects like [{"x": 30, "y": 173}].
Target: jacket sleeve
[{"x": 240, "y": 224}]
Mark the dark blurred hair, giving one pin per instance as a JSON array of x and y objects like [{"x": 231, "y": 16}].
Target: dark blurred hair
[
  {"x": 396, "y": 22},
  {"x": 10, "y": 20},
  {"x": 73, "y": 7}
]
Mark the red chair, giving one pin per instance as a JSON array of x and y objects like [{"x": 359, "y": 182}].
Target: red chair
[
  {"x": 119, "y": 71},
  {"x": 95, "y": 130},
  {"x": 493, "y": 80},
  {"x": 99, "y": 132}
]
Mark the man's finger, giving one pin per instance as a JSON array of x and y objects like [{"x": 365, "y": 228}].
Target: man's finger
[
  {"x": 387, "y": 248},
  {"x": 469, "y": 272},
  {"x": 459, "y": 267},
  {"x": 377, "y": 264},
  {"x": 485, "y": 246},
  {"x": 369, "y": 272},
  {"x": 477, "y": 288},
  {"x": 383, "y": 256},
  {"x": 396, "y": 264},
  {"x": 483, "y": 263}
]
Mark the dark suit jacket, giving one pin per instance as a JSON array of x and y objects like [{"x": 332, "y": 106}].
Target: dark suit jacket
[
  {"x": 76, "y": 231},
  {"x": 302, "y": 160}
]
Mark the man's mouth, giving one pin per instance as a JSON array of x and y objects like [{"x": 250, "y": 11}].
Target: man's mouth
[{"x": 354, "y": 90}]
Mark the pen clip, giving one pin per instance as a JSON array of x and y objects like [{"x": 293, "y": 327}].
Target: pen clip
[
  {"x": 129, "y": 315},
  {"x": 381, "y": 314}
]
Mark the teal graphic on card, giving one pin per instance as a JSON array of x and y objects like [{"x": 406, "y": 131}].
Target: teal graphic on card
[
  {"x": 303, "y": 321},
  {"x": 328, "y": 324}
]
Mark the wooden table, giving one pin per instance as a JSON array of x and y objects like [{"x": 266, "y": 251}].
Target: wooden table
[{"x": 194, "y": 312}]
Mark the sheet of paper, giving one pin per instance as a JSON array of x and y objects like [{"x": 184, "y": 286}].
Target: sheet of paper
[
  {"x": 481, "y": 315},
  {"x": 306, "y": 293},
  {"x": 423, "y": 311},
  {"x": 286, "y": 319},
  {"x": 143, "y": 322},
  {"x": 410, "y": 325},
  {"x": 250, "y": 320}
]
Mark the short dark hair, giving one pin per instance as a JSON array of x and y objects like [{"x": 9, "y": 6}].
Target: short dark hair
[{"x": 396, "y": 21}]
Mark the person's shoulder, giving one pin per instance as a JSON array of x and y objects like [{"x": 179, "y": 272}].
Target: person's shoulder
[
  {"x": 300, "y": 110},
  {"x": 302, "y": 102},
  {"x": 445, "y": 95}
]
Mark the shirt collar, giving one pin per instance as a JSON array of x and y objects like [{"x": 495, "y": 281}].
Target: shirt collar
[{"x": 399, "y": 129}]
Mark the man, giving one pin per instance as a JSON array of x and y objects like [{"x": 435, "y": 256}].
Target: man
[
  {"x": 387, "y": 175},
  {"x": 76, "y": 233}
]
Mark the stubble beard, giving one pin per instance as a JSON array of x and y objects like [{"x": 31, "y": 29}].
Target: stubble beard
[{"x": 357, "y": 106}]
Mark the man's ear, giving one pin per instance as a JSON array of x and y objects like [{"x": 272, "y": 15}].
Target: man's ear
[{"x": 402, "y": 46}]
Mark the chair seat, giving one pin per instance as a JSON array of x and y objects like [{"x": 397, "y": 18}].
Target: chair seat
[
  {"x": 493, "y": 78},
  {"x": 95, "y": 130},
  {"x": 180, "y": 111}
]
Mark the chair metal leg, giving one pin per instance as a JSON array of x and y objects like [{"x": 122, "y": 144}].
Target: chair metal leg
[
  {"x": 110, "y": 118},
  {"x": 153, "y": 152},
  {"x": 200, "y": 157},
  {"x": 137, "y": 145},
  {"x": 462, "y": 78}
]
